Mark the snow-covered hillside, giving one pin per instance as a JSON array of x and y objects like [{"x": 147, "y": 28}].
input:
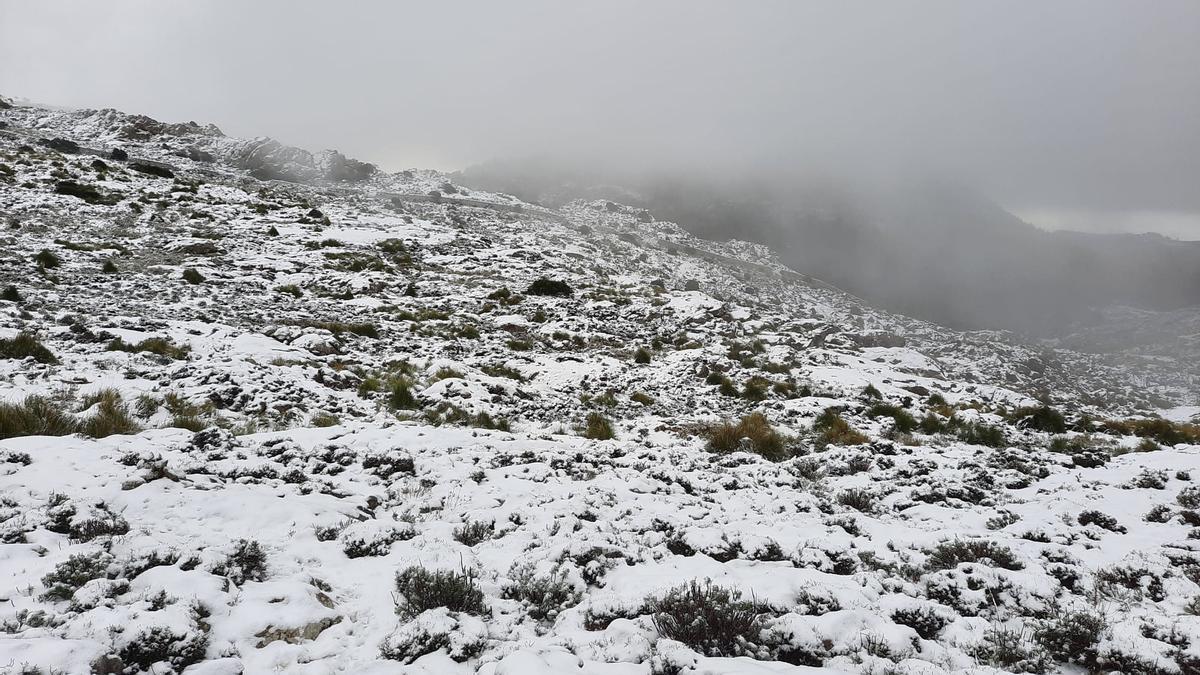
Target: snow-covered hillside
[{"x": 268, "y": 411}]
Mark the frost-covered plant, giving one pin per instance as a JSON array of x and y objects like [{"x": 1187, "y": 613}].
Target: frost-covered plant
[
  {"x": 924, "y": 619},
  {"x": 462, "y": 637},
  {"x": 1073, "y": 637},
  {"x": 71, "y": 574},
  {"x": 247, "y": 562},
  {"x": 111, "y": 416},
  {"x": 471, "y": 533},
  {"x": 543, "y": 596},
  {"x": 1101, "y": 520},
  {"x": 160, "y": 644},
  {"x": 422, "y": 589},
  {"x": 857, "y": 499},
  {"x": 1189, "y": 497},
  {"x": 949, "y": 554},
  {"x": 711, "y": 619},
  {"x": 833, "y": 430},
  {"x": 904, "y": 421},
  {"x": 377, "y": 541}
]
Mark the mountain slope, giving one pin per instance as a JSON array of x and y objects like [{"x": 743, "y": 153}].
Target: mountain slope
[{"x": 293, "y": 384}]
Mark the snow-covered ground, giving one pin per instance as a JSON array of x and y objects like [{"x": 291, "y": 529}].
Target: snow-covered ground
[{"x": 398, "y": 459}]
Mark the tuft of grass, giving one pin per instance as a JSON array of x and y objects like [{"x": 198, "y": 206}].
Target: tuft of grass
[
  {"x": 109, "y": 267},
  {"x": 552, "y": 287},
  {"x": 599, "y": 428},
  {"x": 325, "y": 419},
  {"x": 11, "y": 294},
  {"x": 642, "y": 355},
  {"x": 112, "y": 416},
  {"x": 155, "y": 345},
  {"x": 904, "y": 421},
  {"x": 755, "y": 431},
  {"x": 35, "y": 416},
  {"x": 25, "y": 345},
  {"x": 833, "y": 430},
  {"x": 949, "y": 554}
]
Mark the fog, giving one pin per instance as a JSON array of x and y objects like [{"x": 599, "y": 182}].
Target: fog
[
  {"x": 907, "y": 151},
  {"x": 1050, "y": 108}
]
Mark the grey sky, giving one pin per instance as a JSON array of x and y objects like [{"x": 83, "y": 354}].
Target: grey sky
[{"x": 1068, "y": 107}]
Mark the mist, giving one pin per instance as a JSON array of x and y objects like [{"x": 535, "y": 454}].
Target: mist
[{"x": 1048, "y": 109}]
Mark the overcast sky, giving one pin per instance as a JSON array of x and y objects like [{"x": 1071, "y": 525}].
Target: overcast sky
[{"x": 1077, "y": 113}]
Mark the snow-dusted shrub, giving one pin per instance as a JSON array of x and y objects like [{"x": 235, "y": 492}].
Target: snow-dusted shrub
[
  {"x": 373, "y": 538},
  {"x": 924, "y": 619},
  {"x": 463, "y": 637},
  {"x": 23, "y": 346},
  {"x": 949, "y": 554},
  {"x": 1189, "y": 497},
  {"x": 711, "y": 619},
  {"x": 1040, "y": 418},
  {"x": 423, "y": 589},
  {"x": 1101, "y": 520},
  {"x": 543, "y": 596},
  {"x": 35, "y": 416},
  {"x": 159, "y": 346},
  {"x": 71, "y": 574},
  {"x": 472, "y": 533},
  {"x": 1159, "y": 513},
  {"x": 1150, "y": 479},
  {"x": 386, "y": 465},
  {"x": 1073, "y": 637},
  {"x": 160, "y": 644},
  {"x": 95, "y": 521},
  {"x": 976, "y": 433},
  {"x": 192, "y": 276},
  {"x": 753, "y": 433},
  {"x": 858, "y": 499},
  {"x": 816, "y": 601},
  {"x": 1013, "y": 651},
  {"x": 247, "y": 562},
  {"x": 1118, "y": 581}
]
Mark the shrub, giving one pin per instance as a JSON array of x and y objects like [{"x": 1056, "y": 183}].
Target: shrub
[
  {"x": 905, "y": 422},
  {"x": 857, "y": 499},
  {"x": 112, "y": 416},
  {"x": 290, "y": 289},
  {"x": 324, "y": 419},
  {"x": 35, "y": 416},
  {"x": 109, "y": 267},
  {"x": 833, "y": 430},
  {"x": 710, "y": 619},
  {"x": 192, "y": 276},
  {"x": 11, "y": 294},
  {"x": 25, "y": 345},
  {"x": 551, "y": 287},
  {"x": 461, "y": 637},
  {"x": 927, "y": 621},
  {"x": 870, "y": 391},
  {"x": 385, "y": 465},
  {"x": 755, "y": 389},
  {"x": 642, "y": 355},
  {"x": 423, "y": 589},
  {"x": 642, "y": 397},
  {"x": 1163, "y": 431},
  {"x": 1102, "y": 520},
  {"x": 248, "y": 562},
  {"x": 542, "y": 596},
  {"x": 1073, "y": 637},
  {"x": 375, "y": 542},
  {"x": 1189, "y": 497},
  {"x": 471, "y": 533},
  {"x": 931, "y": 424},
  {"x": 598, "y": 428},
  {"x": 949, "y": 554},
  {"x": 71, "y": 574},
  {"x": 753, "y": 431},
  {"x": 159, "y": 644}
]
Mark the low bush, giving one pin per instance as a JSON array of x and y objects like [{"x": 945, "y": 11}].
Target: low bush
[
  {"x": 247, "y": 562},
  {"x": 472, "y": 533},
  {"x": 156, "y": 345},
  {"x": 905, "y": 422},
  {"x": 421, "y": 589},
  {"x": 192, "y": 276},
  {"x": 543, "y": 597},
  {"x": 710, "y": 619},
  {"x": 550, "y": 287},
  {"x": 949, "y": 554},
  {"x": 111, "y": 417}
]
